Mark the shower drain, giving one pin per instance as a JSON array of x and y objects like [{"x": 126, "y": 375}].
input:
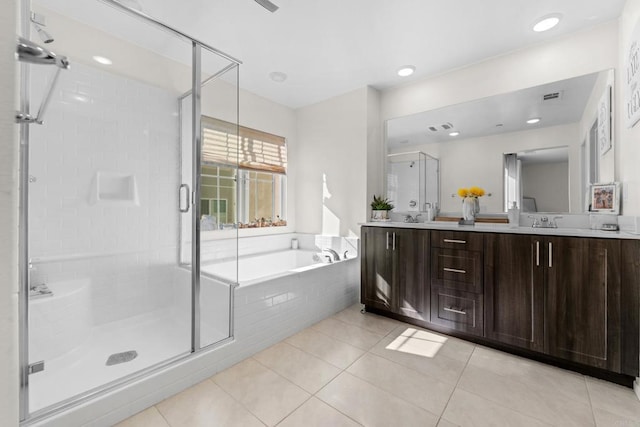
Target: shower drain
[{"x": 124, "y": 357}]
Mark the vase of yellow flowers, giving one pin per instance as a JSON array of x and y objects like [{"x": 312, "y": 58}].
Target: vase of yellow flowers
[{"x": 470, "y": 202}]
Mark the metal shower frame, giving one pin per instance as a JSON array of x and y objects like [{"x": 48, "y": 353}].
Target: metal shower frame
[{"x": 197, "y": 84}]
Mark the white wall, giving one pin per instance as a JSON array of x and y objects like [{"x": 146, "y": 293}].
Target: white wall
[
  {"x": 333, "y": 140},
  {"x": 548, "y": 183},
  {"x": 573, "y": 55},
  {"x": 626, "y": 144},
  {"x": 376, "y": 157},
  {"x": 9, "y": 151}
]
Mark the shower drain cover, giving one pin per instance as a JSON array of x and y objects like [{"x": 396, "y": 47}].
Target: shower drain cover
[{"x": 125, "y": 356}]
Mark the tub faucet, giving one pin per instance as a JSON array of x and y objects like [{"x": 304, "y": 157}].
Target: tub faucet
[{"x": 336, "y": 257}]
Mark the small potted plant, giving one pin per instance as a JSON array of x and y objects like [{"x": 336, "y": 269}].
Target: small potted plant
[{"x": 380, "y": 208}]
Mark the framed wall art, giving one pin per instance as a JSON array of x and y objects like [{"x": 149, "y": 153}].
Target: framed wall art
[{"x": 605, "y": 198}]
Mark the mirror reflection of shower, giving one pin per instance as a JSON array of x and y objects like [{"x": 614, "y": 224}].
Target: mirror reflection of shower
[{"x": 412, "y": 181}]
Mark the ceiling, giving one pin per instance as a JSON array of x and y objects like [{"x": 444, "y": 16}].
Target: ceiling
[{"x": 331, "y": 47}]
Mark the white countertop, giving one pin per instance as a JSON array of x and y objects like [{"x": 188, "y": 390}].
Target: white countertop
[{"x": 505, "y": 228}]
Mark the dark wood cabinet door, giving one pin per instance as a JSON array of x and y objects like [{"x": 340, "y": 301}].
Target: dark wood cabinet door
[
  {"x": 377, "y": 287},
  {"x": 514, "y": 290},
  {"x": 583, "y": 300},
  {"x": 411, "y": 255}
]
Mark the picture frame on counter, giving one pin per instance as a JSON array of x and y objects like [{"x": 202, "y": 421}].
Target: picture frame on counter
[{"x": 605, "y": 198}]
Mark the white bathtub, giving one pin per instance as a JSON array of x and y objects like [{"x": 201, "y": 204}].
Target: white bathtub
[{"x": 258, "y": 268}]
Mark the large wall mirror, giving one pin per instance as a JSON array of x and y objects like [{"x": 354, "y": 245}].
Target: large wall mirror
[{"x": 541, "y": 147}]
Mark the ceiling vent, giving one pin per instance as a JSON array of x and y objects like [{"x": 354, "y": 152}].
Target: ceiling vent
[
  {"x": 445, "y": 126},
  {"x": 553, "y": 96}
]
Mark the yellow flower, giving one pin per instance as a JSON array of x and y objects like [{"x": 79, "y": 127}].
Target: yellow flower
[
  {"x": 463, "y": 192},
  {"x": 476, "y": 191}
]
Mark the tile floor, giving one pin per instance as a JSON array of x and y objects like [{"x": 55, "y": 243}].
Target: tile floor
[{"x": 353, "y": 369}]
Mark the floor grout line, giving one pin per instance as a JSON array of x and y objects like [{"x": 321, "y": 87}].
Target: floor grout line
[{"x": 456, "y": 385}]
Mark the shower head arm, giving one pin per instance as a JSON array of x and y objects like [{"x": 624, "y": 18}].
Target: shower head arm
[{"x": 32, "y": 53}]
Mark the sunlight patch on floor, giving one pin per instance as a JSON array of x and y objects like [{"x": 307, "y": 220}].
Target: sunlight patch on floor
[{"x": 420, "y": 343}]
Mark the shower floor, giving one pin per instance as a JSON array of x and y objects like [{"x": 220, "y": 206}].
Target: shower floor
[{"x": 155, "y": 336}]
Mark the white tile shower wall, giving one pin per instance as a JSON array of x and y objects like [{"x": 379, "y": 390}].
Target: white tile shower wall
[{"x": 98, "y": 121}]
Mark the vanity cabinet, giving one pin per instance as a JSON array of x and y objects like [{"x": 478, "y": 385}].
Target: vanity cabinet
[
  {"x": 570, "y": 300},
  {"x": 394, "y": 270},
  {"x": 514, "y": 290},
  {"x": 457, "y": 281},
  {"x": 583, "y": 278},
  {"x": 563, "y": 296}
]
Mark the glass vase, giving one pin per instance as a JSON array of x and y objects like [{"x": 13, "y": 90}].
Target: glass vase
[{"x": 469, "y": 208}]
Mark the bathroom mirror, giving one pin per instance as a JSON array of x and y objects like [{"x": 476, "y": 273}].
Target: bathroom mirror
[
  {"x": 471, "y": 140},
  {"x": 412, "y": 181},
  {"x": 538, "y": 180}
]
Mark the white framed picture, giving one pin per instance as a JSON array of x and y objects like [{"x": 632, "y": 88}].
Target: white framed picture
[
  {"x": 631, "y": 84},
  {"x": 605, "y": 198},
  {"x": 604, "y": 121}
]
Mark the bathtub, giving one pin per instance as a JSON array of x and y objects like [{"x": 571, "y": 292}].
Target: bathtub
[{"x": 252, "y": 269}]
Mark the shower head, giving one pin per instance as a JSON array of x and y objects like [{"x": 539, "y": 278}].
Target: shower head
[
  {"x": 267, "y": 5},
  {"x": 44, "y": 36},
  {"x": 411, "y": 164}
]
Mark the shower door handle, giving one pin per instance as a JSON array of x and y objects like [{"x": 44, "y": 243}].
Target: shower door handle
[{"x": 187, "y": 198}]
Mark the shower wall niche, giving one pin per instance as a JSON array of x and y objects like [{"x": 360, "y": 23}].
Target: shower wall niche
[{"x": 413, "y": 181}]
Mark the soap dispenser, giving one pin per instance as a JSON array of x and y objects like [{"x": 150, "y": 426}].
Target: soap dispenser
[{"x": 514, "y": 215}]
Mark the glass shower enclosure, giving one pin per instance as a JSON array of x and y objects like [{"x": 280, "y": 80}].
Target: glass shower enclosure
[{"x": 111, "y": 286}]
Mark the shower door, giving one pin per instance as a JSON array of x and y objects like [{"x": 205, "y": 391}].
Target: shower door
[
  {"x": 211, "y": 221},
  {"x": 106, "y": 200}
]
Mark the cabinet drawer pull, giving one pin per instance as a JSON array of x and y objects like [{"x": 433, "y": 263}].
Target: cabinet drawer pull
[
  {"x": 454, "y": 270},
  {"x": 537, "y": 253},
  {"x": 455, "y": 241},
  {"x": 550, "y": 254},
  {"x": 394, "y": 241},
  {"x": 387, "y": 241},
  {"x": 454, "y": 310}
]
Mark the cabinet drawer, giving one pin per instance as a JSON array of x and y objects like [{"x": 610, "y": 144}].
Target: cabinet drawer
[
  {"x": 469, "y": 241},
  {"x": 457, "y": 269},
  {"x": 457, "y": 310}
]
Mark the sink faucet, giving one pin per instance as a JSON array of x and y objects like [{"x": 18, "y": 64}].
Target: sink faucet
[
  {"x": 336, "y": 257},
  {"x": 553, "y": 223},
  {"x": 544, "y": 222}
]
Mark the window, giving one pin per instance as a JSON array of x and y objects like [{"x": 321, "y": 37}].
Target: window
[{"x": 256, "y": 195}]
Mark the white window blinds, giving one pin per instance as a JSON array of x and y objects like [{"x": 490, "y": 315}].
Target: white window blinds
[{"x": 254, "y": 150}]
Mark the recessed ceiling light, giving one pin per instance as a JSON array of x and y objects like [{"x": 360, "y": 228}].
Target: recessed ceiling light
[
  {"x": 406, "y": 70},
  {"x": 278, "y": 76},
  {"x": 102, "y": 60},
  {"x": 533, "y": 121},
  {"x": 454, "y": 133},
  {"x": 546, "y": 23}
]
